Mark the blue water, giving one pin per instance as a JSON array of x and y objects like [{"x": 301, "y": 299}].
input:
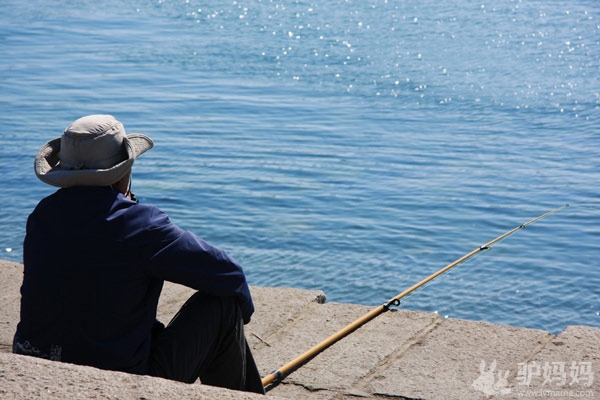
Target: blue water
[{"x": 350, "y": 146}]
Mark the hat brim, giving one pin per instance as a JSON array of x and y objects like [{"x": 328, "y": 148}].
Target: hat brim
[{"x": 48, "y": 170}]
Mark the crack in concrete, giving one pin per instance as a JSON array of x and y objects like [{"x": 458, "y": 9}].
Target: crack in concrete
[{"x": 416, "y": 340}]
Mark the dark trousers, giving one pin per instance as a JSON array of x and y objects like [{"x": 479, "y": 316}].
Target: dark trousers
[{"x": 206, "y": 340}]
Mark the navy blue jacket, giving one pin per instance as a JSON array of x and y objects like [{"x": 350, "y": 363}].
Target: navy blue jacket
[{"x": 94, "y": 267}]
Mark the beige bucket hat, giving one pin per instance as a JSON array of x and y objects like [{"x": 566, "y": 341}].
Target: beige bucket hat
[{"x": 92, "y": 151}]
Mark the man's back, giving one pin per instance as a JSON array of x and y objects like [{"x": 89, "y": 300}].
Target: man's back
[{"x": 86, "y": 293}]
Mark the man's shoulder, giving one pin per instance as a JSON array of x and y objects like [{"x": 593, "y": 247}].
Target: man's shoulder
[{"x": 148, "y": 215}]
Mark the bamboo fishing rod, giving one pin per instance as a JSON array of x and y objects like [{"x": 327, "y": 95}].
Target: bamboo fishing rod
[{"x": 279, "y": 374}]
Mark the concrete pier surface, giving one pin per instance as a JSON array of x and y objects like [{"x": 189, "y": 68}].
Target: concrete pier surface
[{"x": 398, "y": 355}]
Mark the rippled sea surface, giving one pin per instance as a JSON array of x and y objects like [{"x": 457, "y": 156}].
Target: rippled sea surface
[{"x": 350, "y": 146}]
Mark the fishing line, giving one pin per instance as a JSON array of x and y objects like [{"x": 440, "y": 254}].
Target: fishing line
[{"x": 278, "y": 375}]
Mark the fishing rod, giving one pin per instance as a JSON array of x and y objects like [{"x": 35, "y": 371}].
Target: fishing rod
[{"x": 279, "y": 374}]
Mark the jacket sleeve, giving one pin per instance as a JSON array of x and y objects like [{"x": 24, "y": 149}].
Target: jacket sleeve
[{"x": 182, "y": 257}]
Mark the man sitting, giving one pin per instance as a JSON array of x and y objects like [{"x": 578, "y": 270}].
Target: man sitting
[{"x": 94, "y": 265}]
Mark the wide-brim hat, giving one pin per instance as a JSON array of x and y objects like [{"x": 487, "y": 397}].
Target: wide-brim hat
[{"x": 93, "y": 151}]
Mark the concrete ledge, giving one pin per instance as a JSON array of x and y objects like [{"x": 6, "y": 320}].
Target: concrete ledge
[
  {"x": 23, "y": 377},
  {"x": 402, "y": 354}
]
